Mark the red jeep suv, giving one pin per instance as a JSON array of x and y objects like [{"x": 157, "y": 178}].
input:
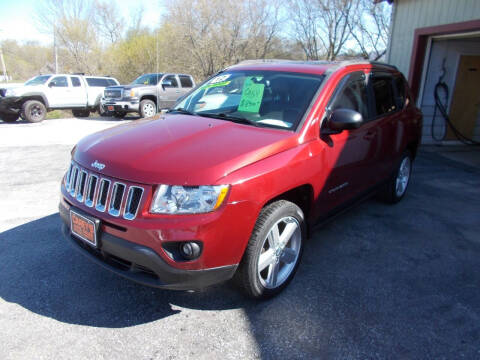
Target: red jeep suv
[{"x": 227, "y": 183}]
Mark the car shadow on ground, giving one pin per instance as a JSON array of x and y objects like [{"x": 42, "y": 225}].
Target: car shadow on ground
[{"x": 380, "y": 281}]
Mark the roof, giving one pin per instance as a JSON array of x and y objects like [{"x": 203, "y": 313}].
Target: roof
[{"x": 311, "y": 67}]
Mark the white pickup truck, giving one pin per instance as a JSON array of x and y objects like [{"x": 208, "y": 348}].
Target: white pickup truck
[{"x": 44, "y": 93}]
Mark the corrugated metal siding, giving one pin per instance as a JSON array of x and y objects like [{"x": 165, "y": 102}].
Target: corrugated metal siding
[{"x": 412, "y": 14}]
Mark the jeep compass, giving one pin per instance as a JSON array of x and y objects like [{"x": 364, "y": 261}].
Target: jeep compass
[{"x": 229, "y": 181}]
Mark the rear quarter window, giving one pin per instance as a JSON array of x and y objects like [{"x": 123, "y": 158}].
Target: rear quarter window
[{"x": 98, "y": 82}]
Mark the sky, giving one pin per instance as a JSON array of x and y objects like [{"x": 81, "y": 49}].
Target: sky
[{"x": 17, "y": 22}]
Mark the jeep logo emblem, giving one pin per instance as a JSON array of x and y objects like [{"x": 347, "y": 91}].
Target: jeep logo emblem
[{"x": 98, "y": 165}]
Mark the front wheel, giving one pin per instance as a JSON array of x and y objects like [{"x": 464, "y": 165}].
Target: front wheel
[
  {"x": 119, "y": 114},
  {"x": 397, "y": 186},
  {"x": 9, "y": 118},
  {"x": 34, "y": 111},
  {"x": 147, "y": 108},
  {"x": 273, "y": 251}
]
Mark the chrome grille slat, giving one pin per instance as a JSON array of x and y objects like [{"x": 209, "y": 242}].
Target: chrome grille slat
[
  {"x": 101, "y": 193},
  {"x": 73, "y": 184},
  {"x": 134, "y": 197},
  {"x": 69, "y": 177},
  {"x": 91, "y": 190},
  {"x": 118, "y": 191},
  {"x": 82, "y": 180}
]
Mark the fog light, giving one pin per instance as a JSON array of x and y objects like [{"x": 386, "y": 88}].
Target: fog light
[{"x": 190, "y": 250}]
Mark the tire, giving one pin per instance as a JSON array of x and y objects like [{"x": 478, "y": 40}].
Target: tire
[
  {"x": 119, "y": 114},
  {"x": 147, "y": 108},
  {"x": 397, "y": 186},
  {"x": 101, "y": 110},
  {"x": 34, "y": 111},
  {"x": 81, "y": 113},
  {"x": 264, "y": 251},
  {"x": 9, "y": 118}
]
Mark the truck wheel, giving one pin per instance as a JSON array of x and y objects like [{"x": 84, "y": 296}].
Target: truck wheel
[
  {"x": 8, "y": 117},
  {"x": 101, "y": 110},
  {"x": 147, "y": 108},
  {"x": 397, "y": 186},
  {"x": 81, "y": 113},
  {"x": 119, "y": 114},
  {"x": 273, "y": 251},
  {"x": 34, "y": 111}
]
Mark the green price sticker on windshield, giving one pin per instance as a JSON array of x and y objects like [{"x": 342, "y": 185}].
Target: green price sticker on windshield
[{"x": 252, "y": 95}]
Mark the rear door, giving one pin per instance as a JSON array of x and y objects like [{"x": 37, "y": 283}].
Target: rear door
[
  {"x": 350, "y": 154},
  {"x": 388, "y": 102},
  {"x": 78, "y": 93},
  {"x": 186, "y": 83}
]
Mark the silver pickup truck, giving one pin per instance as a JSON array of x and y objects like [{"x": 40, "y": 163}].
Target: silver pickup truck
[{"x": 147, "y": 94}]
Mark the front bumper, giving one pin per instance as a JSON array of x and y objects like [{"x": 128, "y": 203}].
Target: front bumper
[
  {"x": 142, "y": 264},
  {"x": 10, "y": 104},
  {"x": 121, "y": 105}
]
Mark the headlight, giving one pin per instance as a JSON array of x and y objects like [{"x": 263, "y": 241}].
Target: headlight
[
  {"x": 11, "y": 92},
  {"x": 187, "y": 199}
]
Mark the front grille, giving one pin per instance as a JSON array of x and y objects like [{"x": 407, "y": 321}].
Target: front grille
[
  {"x": 113, "y": 94},
  {"x": 101, "y": 193}
]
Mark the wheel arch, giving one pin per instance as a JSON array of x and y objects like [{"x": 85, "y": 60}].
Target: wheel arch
[
  {"x": 37, "y": 97},
  {"x": 149, "y": 97}
]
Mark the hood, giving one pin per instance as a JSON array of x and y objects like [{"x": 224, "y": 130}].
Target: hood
[
  {"x": 20, "y": 90},
  {"x": 179, "y": 149},
  {"x": 128, "y": 87}
]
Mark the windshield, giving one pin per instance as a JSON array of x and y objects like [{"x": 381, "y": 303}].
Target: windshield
[
  {"x": 147, "y": 79},
  {"x": 260, "y": 98},
  {"x": 38, "y": 80}
]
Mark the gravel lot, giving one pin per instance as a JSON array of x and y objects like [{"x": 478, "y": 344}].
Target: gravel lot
[{"x": 377, "y": 282}]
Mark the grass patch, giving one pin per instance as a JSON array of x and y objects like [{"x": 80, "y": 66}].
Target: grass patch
[{"x": 59, "y": 114}]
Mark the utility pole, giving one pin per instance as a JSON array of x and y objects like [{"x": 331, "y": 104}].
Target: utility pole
[
  {"x": 55, "y": 48},
  {"x": 4, "y": 68}
]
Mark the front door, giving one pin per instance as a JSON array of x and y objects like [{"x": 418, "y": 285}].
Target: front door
[
  {"x": 351, "y": 153},
  {"x": 58, "y": 92},
  {"x": 465, "y": 106},
  {"x": 169, "y": 93}
]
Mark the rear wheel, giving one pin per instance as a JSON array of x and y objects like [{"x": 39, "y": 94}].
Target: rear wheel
[
  {"x": 273, "y": 251},
  {"x": 147, "y": 108},
  {"x": 9, "y": 117},
  {"x": 34, "y": 111},
  {"x": 397, "y": 186},
  {"x": 81, "y": 113}
]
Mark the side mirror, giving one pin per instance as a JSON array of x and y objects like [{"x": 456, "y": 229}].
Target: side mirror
[
  {"x": 52, "y": 84},
  {"x": 344, "y": 119},
  {"x": 166, "y": 83}
]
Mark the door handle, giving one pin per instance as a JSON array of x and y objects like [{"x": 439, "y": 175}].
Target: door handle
[{"x": 177, "y": 91}]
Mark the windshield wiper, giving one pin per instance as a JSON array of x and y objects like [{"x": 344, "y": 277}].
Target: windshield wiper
[
  {"x": 237, "y": 119},
  {"x": 181, "y": 111}
]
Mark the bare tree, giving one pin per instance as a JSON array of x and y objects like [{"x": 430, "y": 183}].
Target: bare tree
[
  {"x": 370, "y": 28},
  {"x": 108, "y": 20},
  {"x": 322, "y": 26}
]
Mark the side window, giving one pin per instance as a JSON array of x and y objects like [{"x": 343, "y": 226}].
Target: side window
[
  {"x": 400, "y": 95},
  {"x": 173, "y": 80},
  {"x": 353, "y": 95},
  {"x": 185, "y": 81},
  {"x": 97, "y": 82},
  {"x": 59, "y": 81},
  {"x": 75, "y": 81},
  {"x": 384, "y": 97}
]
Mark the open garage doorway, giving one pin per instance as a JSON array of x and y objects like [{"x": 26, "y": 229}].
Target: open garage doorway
[{"x": 453, "y": 60}]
